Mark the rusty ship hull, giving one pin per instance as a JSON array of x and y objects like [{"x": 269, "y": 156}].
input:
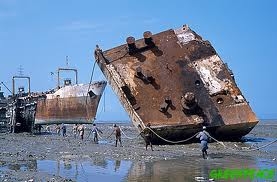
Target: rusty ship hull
[
  {"x": 70, "y": 104},
  {"x": 3, "y": 110},
  {"x": 176, "y": 82}
]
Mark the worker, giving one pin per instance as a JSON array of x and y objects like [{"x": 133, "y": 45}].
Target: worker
[
  {"x": 95, "y": 134},
  {"x": 117, "y": 135},
  {"x": 148, "y": 136},
  {"x": 204, "y": 136},
  {"x": 47, "y": 128},
  {"x": 39, "y": 129},
  {"x": 81, "y": 130},
  {"x": 75, "y": 130},
  {"x": 64, "y": 130},
  {"x": 58, "y": 129}
]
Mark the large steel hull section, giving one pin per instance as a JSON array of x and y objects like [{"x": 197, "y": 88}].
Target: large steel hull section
[
  {"x": 21, "y": 114},
  {"x": 66, "y": 110},
  {"x": 180, "y": 62},
  {"x": 178, "y": 133},
  {"x": 63, "y": 107}
]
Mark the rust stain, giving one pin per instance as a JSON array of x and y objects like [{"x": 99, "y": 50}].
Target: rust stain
[
  {"x": 70, "y": 104},
  {"x": 152, "y": 75}
]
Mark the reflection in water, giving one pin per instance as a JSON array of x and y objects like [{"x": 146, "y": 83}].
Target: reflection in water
[
  {"x": 190, "y": 168},
  {"x": 99, "y": 162},
  {"x": 117, "y": 165},
  {"x": 67, "y": 165},
  {"x": 30, "y": 165},
  {"x": 97, "y": 169}
]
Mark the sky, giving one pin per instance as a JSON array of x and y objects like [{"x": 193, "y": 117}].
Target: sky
[{"x": 39, "y": 34}]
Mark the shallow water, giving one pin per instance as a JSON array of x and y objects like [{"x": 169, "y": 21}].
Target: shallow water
[
  {"x": 185, "y": 164},
  {"x": 191, "y": 168}
]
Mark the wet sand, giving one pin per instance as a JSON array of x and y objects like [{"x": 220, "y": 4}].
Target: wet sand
[{"x": 49, "y": 157}]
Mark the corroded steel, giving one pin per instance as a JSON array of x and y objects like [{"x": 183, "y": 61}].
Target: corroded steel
[
  {"x": 176, "y": 63},
  {"x": 3, "y": 110},
  {"x": 21, "y": 77},
  {"x": 67, "y": 69},
  {"x": 21, "y": 113},
  {"x": 70, "y": 104}
]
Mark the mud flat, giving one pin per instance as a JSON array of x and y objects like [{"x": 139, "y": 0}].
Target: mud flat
[{"x": 49, "y": 157}]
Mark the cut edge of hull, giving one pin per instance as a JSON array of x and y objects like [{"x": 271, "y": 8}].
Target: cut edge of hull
[
  {"x": 64, "y": 121},
  {"x": 39, "y": 120},
  {"x": 232, "y": 132}
]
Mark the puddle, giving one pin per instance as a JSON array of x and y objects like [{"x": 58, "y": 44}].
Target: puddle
[
  {"x": 102, "y": 170},
  {"x": 188, "y": 169},
  {"x": 182, "y": 169}
]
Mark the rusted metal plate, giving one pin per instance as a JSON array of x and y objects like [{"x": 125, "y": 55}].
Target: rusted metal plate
[
  {"x": 21, "y": 113},
  {"x": 152, "y": 77},
  {"x": 70, "y": 104}
]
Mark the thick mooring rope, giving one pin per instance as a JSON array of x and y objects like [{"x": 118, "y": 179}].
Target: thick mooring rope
[
  {"x": 182, "y": 141},
  {"x": 263, "y": 146},
  {"x": 221, "y": 143},
  {"x": 173, "y": 142},
  {"x": 246, "y": 150},
  {"x": 91, "y": 77},
  {"x": 98, "y": 134},
  {"x": 131, "y": 138}
]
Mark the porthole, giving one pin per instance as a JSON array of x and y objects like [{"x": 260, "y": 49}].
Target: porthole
[
  {"x": 219, "y": 100},
  {"x": 197, "y": 82}
]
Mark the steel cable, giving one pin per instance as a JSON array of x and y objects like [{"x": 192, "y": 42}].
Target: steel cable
[
  {"x": 174, "y": 142},
  {"x": 92, "y": 72},
  {"x": 246, "y": 150},
  {"x": 126, "y": 135},
  {"x": 263, "y": 146}
]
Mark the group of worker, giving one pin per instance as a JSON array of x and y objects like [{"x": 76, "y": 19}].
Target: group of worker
[
  {"x": 79, "y": 129},
  {"x": 58, "y": 129},
  {"x": 95, "y": 131},
  {"x": 146, "y": 133}
]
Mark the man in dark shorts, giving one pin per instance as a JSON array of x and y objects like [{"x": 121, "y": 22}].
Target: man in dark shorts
[
  {"x": 95, "y": 133},
  {"x": 148, "y": 137},
  {"x": 117, "y": 135},
  {"x": 63, "y": 130},
  {"x": 58, "y": 129}
]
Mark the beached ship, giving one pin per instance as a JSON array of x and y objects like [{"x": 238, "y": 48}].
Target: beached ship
[
  {"x": 176, "y": 82},
  {"x": 20, "y": 108},
  {"x": 68, "y": 104},
  {"x": 3, "y": 110}
]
